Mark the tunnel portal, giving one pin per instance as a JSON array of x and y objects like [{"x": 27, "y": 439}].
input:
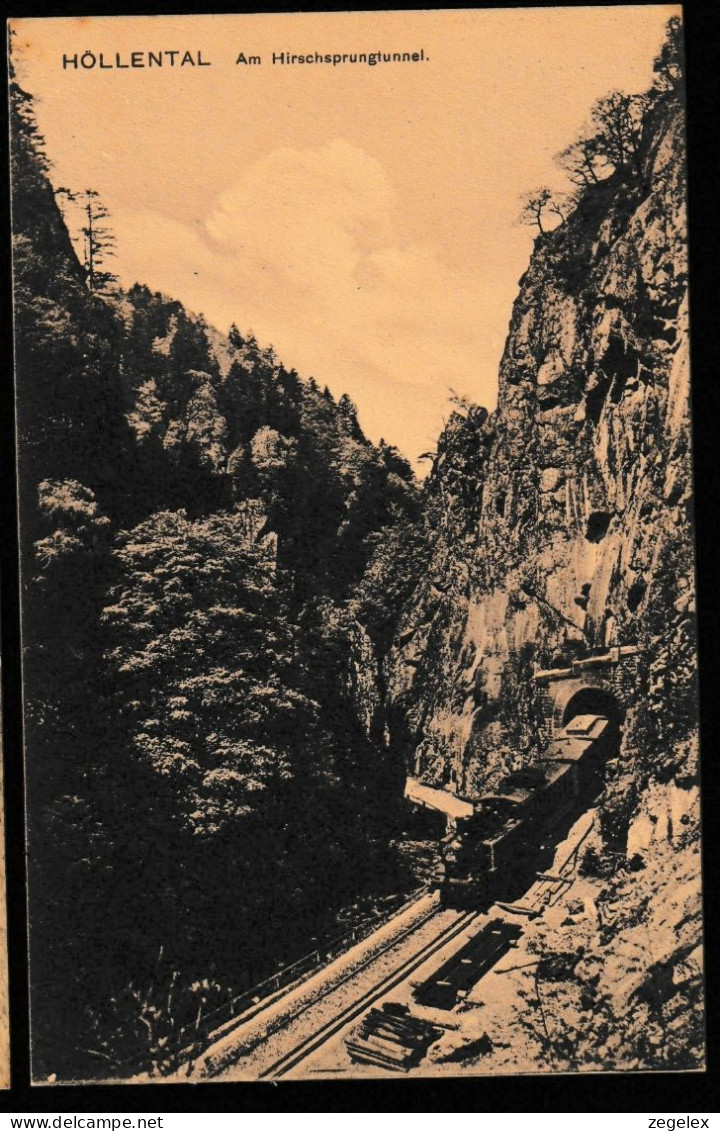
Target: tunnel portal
[{"x": 587, "y": 700}]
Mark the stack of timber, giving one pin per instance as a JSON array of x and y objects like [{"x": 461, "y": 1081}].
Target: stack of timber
[{"x": 391, "y": 1037}]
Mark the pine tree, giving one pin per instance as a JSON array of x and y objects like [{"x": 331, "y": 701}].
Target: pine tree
[{"x": 98, "y": 242}]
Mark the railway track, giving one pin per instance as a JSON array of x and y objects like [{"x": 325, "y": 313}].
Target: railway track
[
  {"x": 205, "y": 1062},
  {"x": 319, "y": 1037},
  {"x": 259, "y": 1004}
]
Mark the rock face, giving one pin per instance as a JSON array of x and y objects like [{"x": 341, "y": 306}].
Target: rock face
[
  {"x": 561, "y": 532},
  {"x": 561, "y": 524}
]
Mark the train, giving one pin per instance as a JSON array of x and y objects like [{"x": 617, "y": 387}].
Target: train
[{"x": 501, "y": 836}]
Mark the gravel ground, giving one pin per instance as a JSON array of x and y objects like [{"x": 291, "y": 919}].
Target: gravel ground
[{"x": 252, "y": 1047}]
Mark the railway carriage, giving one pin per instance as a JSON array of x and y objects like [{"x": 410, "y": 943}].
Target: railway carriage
[{"x": 502, "y": 834}]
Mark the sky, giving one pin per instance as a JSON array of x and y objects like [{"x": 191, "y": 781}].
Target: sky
[{"x": 361, "y": 219}]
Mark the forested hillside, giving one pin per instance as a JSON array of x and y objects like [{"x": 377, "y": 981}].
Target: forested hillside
[{"x": 213, "y": 556}]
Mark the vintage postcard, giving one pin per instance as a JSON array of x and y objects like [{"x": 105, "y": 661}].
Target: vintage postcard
[{"x": 355, "y": 476}]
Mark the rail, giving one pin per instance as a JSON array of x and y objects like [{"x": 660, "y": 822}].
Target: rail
[
  {"x": 311, "y": 1043},
  {"x": 252, "y": 1001},
  {"x": 206, "y": 1028}
]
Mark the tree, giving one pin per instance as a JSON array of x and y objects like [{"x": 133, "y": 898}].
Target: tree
[
  {"x": 582, "y": 161},
  {"x": 534, "y": 204},
  {"x": 190, "y": 348},
  {"x": 98, "y": 241},
  {"x": 197, "y": 617},
  {"x": 561, "y": 204},
  {"x": 24, "y": 129},
  {"x": 668, "y": 64},
  {"x": 245, "y": 398},
  {"x": 538, "y": 203},
  {"x": 395, "y": 462},
  {"x": 228, "y": 766},
  {"x": 619, "y": 119},
  {"x": 235, "y": 338},
  {"x": 347, "y": 413},
  {"x": 610, "y": 144}
]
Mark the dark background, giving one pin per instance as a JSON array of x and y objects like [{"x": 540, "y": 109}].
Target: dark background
[{"x": 663, "y": 1093}]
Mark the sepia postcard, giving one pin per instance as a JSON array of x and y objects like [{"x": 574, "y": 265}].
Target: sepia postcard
[{"x": 357, "y": 550}]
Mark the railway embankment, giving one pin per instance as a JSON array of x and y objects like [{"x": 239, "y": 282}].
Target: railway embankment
[
  {"x": 472, "y": 952},
  {"x": 245, "y": 1043}
]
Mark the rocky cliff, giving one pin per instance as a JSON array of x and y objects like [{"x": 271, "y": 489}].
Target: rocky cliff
[
  {"x": 561, "y": 524},
  {"x": 562, "y": 565}
]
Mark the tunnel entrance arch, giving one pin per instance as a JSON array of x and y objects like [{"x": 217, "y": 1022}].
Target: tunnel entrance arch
[
  {"x": 588, "y": 700},
  {"x": 568, "y": 698},
  {"x": 582, "y": 738}
]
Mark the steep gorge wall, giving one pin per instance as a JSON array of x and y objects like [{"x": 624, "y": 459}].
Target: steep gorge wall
[{"x": 561, "y": 524}]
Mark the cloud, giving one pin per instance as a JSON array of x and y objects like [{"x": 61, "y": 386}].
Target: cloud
[{"x": 303, "y": 249}]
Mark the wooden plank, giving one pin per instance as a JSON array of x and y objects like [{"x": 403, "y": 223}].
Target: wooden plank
[
  {"x": 393, "y": 1051},
  {"x": 362, "y": 1057},
  {"x": 519, "y": 909}
]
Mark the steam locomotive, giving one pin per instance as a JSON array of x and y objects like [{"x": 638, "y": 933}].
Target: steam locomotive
[{"x": 507, "y": 830}]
